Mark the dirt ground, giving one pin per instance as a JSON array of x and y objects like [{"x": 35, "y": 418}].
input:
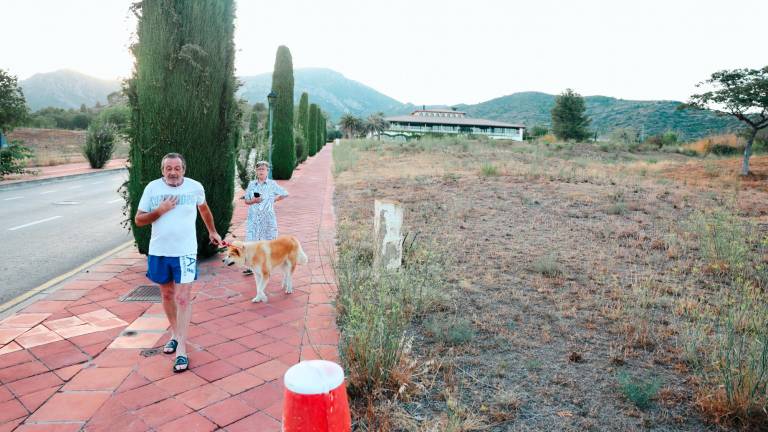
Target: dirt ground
[
  {"x": 57, "y": 146},
  {"x": 549, "y": 256}
]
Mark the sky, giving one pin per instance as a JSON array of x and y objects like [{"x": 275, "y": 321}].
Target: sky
[{"x": 430, "y": 51}]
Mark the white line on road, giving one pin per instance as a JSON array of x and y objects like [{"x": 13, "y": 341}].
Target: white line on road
[
  {"x": 98, "y": 182},
  {"x": 33, "y": 223},
  {"x": 114, "y": 201},
  {"x": 13, "y": 198},
  {"x": 47, "y": 192}
]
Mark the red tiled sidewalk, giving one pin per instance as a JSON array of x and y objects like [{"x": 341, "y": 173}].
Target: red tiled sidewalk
[
  {"x": 67, "y": 365},
  {"x": 63, "y": 170}
]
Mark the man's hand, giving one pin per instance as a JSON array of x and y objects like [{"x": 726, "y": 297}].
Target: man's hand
[
  {"x": 168, "y": 204},
  {"x": 215, "y": 238}
]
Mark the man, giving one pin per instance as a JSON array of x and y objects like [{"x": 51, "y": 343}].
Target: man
[{"x": 168, "y": 203}]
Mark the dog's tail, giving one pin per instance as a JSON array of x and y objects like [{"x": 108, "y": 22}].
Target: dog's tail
[{"x": 302, "y": 257}]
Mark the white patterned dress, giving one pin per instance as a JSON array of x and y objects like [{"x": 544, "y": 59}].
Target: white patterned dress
[{"x": 262, "y": 222}]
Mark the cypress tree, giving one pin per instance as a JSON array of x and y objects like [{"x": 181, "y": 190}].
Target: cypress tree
[
  {"x": 569, "y": 118},
  {"x": 303, "y": 124},
  {"x": 283, "y": 147},
  {"x": 182, "y": 99},
  {"x": 312, "y": 129},
  {"x": 321, "y": 131}
]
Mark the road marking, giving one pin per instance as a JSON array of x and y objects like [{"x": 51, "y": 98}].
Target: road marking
[
  {"x": 47, "y": 192},
  {"x": 114, "y": 201},
  {"x": 33, "y": 223},
  {"x": 13, "y": 198},
  {"x": 98, "y": 182},
  {"x": 11, "y": 303}
]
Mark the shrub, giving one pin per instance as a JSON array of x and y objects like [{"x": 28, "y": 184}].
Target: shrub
[
  {"x": 638, "y": 391},
  {"x": 548, "y": 266},
  {"x": 489, "y": 170},
  {"x": 450, "y": 331},
  {"x": 99, "y": 144},
  {"x": 13, "y": 159},
  {"x": 283, "y": 145}
]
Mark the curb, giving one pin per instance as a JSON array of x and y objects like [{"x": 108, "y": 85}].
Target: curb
[{"x": 30, "y": 182}]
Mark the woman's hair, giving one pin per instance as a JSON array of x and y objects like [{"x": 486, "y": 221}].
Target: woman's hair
[{"x": 262, "y": 163}]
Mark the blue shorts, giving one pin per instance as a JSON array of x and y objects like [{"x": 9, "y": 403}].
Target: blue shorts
[{"x": 162, "y": 269}]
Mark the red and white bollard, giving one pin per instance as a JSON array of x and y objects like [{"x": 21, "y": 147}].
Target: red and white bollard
[{"x": 315, "y": 398}]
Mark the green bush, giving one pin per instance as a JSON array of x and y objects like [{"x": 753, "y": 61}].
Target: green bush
[
  {"x": 724, "y": 150},
  {"x": 99, "y": 144},
  {"x": 547, "y": 265},
  {"x": 489, "y": 170},
  {"x": 13, "y": 159},
  {"x": 450, "y": 331},
  {"x": 637, "y": 390},
  {"x": 283, "y": 145}
]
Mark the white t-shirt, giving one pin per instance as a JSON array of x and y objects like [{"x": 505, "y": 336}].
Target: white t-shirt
[{"x": 173, "y": 234}]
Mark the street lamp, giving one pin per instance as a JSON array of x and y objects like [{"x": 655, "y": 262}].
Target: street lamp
[{"x": 271, "y": 98}]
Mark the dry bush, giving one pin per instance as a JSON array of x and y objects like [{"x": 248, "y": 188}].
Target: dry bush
[{"x": 717, "y": 143}]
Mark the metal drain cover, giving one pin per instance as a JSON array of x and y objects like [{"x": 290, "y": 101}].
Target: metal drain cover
[
  {"x": 150, "y": 352},
  {"x": 143, "y": 293}
]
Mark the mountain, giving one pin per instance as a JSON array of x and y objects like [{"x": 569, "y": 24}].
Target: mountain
[
  {"x": 332, "y": 91},
  {"x": 607, "y": 113},
  {"x": 66, "y": 89}
]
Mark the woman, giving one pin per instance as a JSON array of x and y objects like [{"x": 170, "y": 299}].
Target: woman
[{"x": 261, "y": 195}]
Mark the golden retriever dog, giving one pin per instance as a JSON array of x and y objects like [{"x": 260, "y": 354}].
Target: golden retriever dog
[{"x": 263, "y": 256}]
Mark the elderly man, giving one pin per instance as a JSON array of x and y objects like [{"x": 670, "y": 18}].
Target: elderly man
[{"x": 171, "y": 204}]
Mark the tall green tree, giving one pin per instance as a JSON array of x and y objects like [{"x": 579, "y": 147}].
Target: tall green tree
[
  {"x": 13, "y": 106},
  {"x": 182, "y": 99},
  {"x": 739, "y": 93},
  {"x": 283, "y": 146},
  {"x": 312, "y": 128},
  {"x": 569, "y": 118},
  {"x": 351, "y": 125},
  {"x": 303, "y": 124}
]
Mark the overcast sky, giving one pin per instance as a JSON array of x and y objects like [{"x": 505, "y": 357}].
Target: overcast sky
[{"x": 430, "y": 51}]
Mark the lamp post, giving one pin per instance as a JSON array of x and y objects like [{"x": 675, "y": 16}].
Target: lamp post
[{"x": 271, "y": 98}]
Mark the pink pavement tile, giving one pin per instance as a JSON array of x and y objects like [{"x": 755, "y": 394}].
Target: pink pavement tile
[
  {"x": 163, "y": 412},
  {"x": 227, "y": 349},
  {"x": 34, "y": 383},
  {"x": 95, "y": 349},
  {"x": 227, "y": 411},
  {"x": 255, "y": 340},
  {"x": 193, "y": 422},
  {"x": 278, "y": 348},
  {"x": 149, "y": 323},
  {"x": 21, "y": 371},
  {"x": 96, "y": 276},
  {"x": 133, "y": 381},
  {"x": 270, "y": 370},
  {"x": 117, "y": 357},
  {"x": 321, "y": 337},
  {"x": 11, "y": 410},
  {"x": 141, "y": 340},
  {"x": 66, "y": 373},
  {"x": 5, "y": 394},
  {"x": 70, "y": 332},
  {"x": 244, "y": 317},
  {"x": 142, "y": 396},
  {"x": 66, "y": 294},
  {"x": 24, "y": 320},
  {"x": 225, "y": 311},
  {"x": 215, "y": 370},
  {"x": 263, "y": 324},
  {"x": 52, "y": 348},
  {"x": 264, "y": 396},
  {"x": 11, "y": 425},
  {"x": 256, "y": 422},
  {"x": 236, "y": 332},
  {"x": 9, "y": 334},
  {"x": 34, "y": 400},
  {"x": 65, "y": 358},
  {"x": 15, "y": 357},
  {"x": 70, "y": 407},
  {"x": 218, "y": 324},
  {"x": 208, "y": 339},
  {"x": 63, "y": 323},
  {"x": 203, "y": 396},
  {"x": 199, "y": 317},
  {"x": 275, "y": 411},
  {"x": 320, "y": 352},
  {"x": 46, "y": 306},
  {"x": 50, "y": 427},
  {"x": 109, "y": 323},
  {"x": 97, "y": 315},
  {"x": 247, "y": 359},
  {"x": 98, "y": 379},
  {"x": 92, "y": 338},
  {"x": 239, "y": 382},
  {"x": 180, "y": 383},
  {"x": 157, "y": 367},
  {"x": 37, "y": 336},
  {"x": 10, "y": 348}
]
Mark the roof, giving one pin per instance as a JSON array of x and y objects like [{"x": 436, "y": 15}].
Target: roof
[
  {"x": 438, "y": 111},
  {"x": 460, "y": 121}
]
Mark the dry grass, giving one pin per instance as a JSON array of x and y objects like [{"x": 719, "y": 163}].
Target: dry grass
[{"x": 570, "y": 266}]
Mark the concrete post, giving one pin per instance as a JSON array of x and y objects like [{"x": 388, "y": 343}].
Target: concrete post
[{"x": 387, "y": 226}]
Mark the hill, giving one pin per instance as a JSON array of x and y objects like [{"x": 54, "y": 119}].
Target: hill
[
  {"x": 607, "y": 113},
  {"x": 335, "y": 93},
  {"x": 66, "y": 89}
]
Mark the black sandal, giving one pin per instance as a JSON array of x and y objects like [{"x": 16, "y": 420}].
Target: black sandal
[
  {"x": 181, "y": 364},
  {"x": 170, "y": 346}
]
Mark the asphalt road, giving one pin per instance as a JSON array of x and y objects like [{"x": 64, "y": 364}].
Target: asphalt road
[{"x": 50, "y": 228}]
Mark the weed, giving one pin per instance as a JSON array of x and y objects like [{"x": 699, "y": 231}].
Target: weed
[
  {"x": 489, "y": 170},
  {"x": 548, "y": 266},
  {"x": 639, "y": 391},
  {"x": 450, "y": 331}
]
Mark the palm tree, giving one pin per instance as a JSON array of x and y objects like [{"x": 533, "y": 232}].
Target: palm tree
[
  {"x": 350, "y": 124},
  {"x": 376, "y": 124}
]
